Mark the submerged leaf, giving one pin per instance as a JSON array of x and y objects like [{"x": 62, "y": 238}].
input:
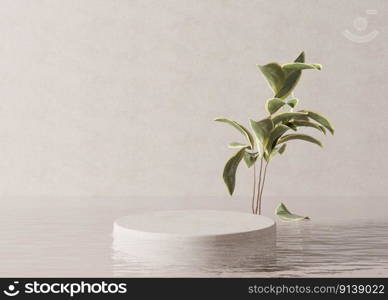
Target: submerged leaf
[
  {"x": 283, "y": 213},
  {"x": 230, "y": 170},
  {"x": 240, "y": 128},
  {"x": 299, "y": 136},
  {"x": 273, "y": 105},
  {"x": 320, "y": 119},
  {"x": 274, "y": 74}
]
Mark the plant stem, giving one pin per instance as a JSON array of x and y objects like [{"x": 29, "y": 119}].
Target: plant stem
[
  {"x": 262, "y": 188},
  {"x": 258, "y": 186},
  {"x": 254, "y": 188}
]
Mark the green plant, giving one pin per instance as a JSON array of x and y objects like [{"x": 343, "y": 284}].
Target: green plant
[{"x": 271, "y": 134}]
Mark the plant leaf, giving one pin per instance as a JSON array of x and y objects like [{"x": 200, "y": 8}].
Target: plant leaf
[
  {"x": 240, "y": 128},
  {"x": 302, "y": 118},
  {"x": 293, "y": 102},
  {"x": 291, "y": 125},
  {"x": 292, "y": 77},
  {"x": 277, "y": 150},
  {"x": 250, "y": 158},
  {"x": 235, "y": 145},
  {"x": 262, "y": 128},
  {"x": 302, "y": 123},
  {"x": 300, "y": 57},
  {"x": 286, "y": 116},
  {"x": 273, "y": 105},
  {"x": 299, "y": 136},
  {"x": 282, "y": 148},
  {"x": 274, "y": 74},
  {"x": 291, "y": 81},
  {"x": 296, "y": 66},
  {"x": 230, "y": 170},
  {"x": 283, "y": 213},
  {"x": 289, "y": 84},
  {"x": 274, "y": 135},
  {"x": 320, "y": 119}
]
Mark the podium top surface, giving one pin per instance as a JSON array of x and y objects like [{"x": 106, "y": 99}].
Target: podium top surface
[{"x": 194, "y": 222}]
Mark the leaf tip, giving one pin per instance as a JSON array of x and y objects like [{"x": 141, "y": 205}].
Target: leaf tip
[
  {"x": 230, "y": 187},
  {"x": 301, "y": 57}
]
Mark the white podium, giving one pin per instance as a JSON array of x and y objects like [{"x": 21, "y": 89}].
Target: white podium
[{"x": 193, "y": 238}]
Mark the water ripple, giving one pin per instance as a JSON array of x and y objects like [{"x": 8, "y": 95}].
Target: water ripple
[{"x": 302, "y": 249}]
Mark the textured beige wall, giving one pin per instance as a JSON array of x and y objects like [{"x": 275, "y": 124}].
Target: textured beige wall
[{"x": 116, "y": 98}]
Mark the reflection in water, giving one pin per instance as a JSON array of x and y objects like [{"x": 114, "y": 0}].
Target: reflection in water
[
  {"x": 302, "y": 249},
  {"x": 204, "y": 256}
]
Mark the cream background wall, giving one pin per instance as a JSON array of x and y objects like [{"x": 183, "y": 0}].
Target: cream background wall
[{"x": 116, "y": 98}]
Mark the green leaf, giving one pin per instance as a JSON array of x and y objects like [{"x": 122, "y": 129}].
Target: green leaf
[
  {"x": 300, "y": 57},
  {"x": 282, "y": 148},
  {"x": 274, "y": 135},
  {"x": 297, "y": 66},
  {"x": 289, "y": 84},
  {"x": 262, "y": 129},
  {"x": 235, "y": 145},
  {"x": 302, "y": 117},
  {"x": 320, "y": 119},
  {"x": 293, "y": 102},
  {"x": 273, "y": 105},
  {"x": 302, "y": 123},
  {"x": 250, "y": 158},
  {"x": 291, "y": 125},
  {"x": 240, "y": 128},
  {"x": 299, "y": 136},
  {"x": 274, "y": 74},
  {"x": 286, "y": 116},
  {"x": 275, "y": 151},
  {"x": 292, "y": 74},
  {"x": 283, "y": 213},
  {"x": 291, "y": 78},
  {"x": 230, "y": 170}
]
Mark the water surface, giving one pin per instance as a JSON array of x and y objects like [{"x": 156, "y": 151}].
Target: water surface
[{"x": 73, "y": 237}]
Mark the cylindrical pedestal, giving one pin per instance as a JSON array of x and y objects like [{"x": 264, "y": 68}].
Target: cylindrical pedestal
[{"x": 193, "y": 238}]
